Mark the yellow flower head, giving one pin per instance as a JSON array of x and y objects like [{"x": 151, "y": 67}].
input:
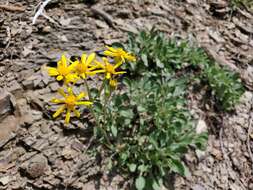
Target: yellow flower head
[
  {"x": 113, "y": 83},
  {"x": 108, "y": 68},
  {"x": 69, "y": 103},
  {"x": 119, "y": 54},
  {"x": 63, "y": 71},
  {"x": 84, "y": 67}
]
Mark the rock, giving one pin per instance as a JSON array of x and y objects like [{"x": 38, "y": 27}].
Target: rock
[
  {"x": 28, "y": 115},
  {"x": 54, "y": 86},
  {"x": 200, "y": 154},
  {"x": 37, "y": 166},
  {"x": 15, "y": 88},
  {"x": 6, "y": 106},
  {"x": 198, "y": 187},
  {"x": 8, "y": 127},
  {"x": 5, "y": 180},
  {"x": 217, "y": 154},
  {"x": 69, "y": 153},
  {"x": 46, "y": 29},
  {"x": 201, "y": 127}
]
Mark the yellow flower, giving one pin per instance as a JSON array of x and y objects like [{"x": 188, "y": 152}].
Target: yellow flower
[
  {"x": 119, "y": 54},
  {"x": 63, "y": 71},
  {"x": 108, "y": 68},
  {"x": 113, "y": 83},
  {"x": 69, "y": 103},
  {"x": 84, "y": 67}
]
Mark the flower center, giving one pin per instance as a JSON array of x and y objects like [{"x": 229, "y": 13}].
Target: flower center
[
  {"x": 110, "y": 69},
  {"x": 70, "y": 100},
  {"x": 81, "y": 68},
  {"x": 63, "y": 70}
]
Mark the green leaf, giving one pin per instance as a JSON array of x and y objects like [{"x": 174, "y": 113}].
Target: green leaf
[
  {"x": 144, "y": 58},
  {"x": 128, "y": 113},
  {"x": 114, "y": 130},
  {"x": 132, "y": 167},
  {"x": 140, "y": 183},
  {"x": 176, "y": 166},
  {"x": 155, "y": 185},
  {"x": 159, "y": 63}
]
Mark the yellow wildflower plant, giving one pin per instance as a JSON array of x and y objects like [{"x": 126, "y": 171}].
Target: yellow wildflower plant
[
  {"x": 63, "y": 71},
  {"x": 108, "y": 68},
  {"x": 69, "y": 103},
  {"x": 85, "y": 67},
  {"x": 119, "y": 54}
]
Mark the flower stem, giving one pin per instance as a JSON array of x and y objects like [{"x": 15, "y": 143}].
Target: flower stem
[
  {"x": 88, "y": 89},
  {"x": 101, "y": 88}
]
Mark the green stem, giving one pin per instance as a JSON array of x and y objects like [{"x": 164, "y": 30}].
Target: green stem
[
  {"x": 88, "y": 89},
  {"x": 102, "y": 87},
  {"x": 109, "y": 144}
]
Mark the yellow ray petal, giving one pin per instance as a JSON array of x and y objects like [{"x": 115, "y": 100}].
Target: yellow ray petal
[
  {"x": 80, "y": 96},
  {"x": 83, "y": 75},
  {"x": 67, "y": 118},
  {"x": 59, "y": 111},
  {"x": 90, "y": 58},
  {"x": 130, "y": 57},
  {"x": 77, "y": 113},
  {"x": 86, "y": 103},
  {"x": 64, "y": 61},
  {"x": 57, "y": 101},
  {"x": 72, "y": 67},
  {"x": 118, "y": 64},
  {"x": 99, "y": 65},
  {"x": 111, "y": 48},
  {"x": 119, "y": 73},
  {"x": 70, "y": 91},
  {"x": 109, "y": 53},
  {"x": 60, "y": 77},
  {"x": 83, "y": 58},
  {"x": 52, "y": 71},
  {"x": 61, "y": 92},
  {"x": 108, "y": 75}
]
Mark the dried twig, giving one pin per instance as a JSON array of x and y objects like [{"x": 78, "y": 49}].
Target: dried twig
[
  {"x": 40, "y": 11},
  {"x": 12, "y": 8}
]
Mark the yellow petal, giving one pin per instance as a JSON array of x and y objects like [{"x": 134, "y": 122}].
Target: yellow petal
[
  {"x": 86, "y": 103},
  {"x": 118, "y": 64},
  {"x": 64, "y": 61},
  {"x": 70, "y": 91},
  {"x": 61, "y": 92},
  {"x": 119, "y": 73},
  {"x": 108, "y": 75},
  {"x": 71, "y": 78},
  {"x": 130, "y": 58},
  {"x": 108, "y": 53},
  {"x": 83, "y": 75},
  {"x": 95, "y": 72},
  {"x": 59, "y": 111},
  {"x": 52, "y": 71},
  {"x": 67, "y": 118},
  {"x": 99, "y": 65},
  {"x": 80, "y": 96},
  {"x": 111, "y": 48},
  {"x": 60, "y": 77},
  {"x": 77, "y": 113},
  {"x": 57, "y": 101},
  {"x": 90, "y": 58},
  {"x": 72, "y": 67},
  {"x": 83, "y": 58}
]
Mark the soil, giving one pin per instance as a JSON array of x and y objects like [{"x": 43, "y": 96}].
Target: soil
[{"x": 37, "y": 152}]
